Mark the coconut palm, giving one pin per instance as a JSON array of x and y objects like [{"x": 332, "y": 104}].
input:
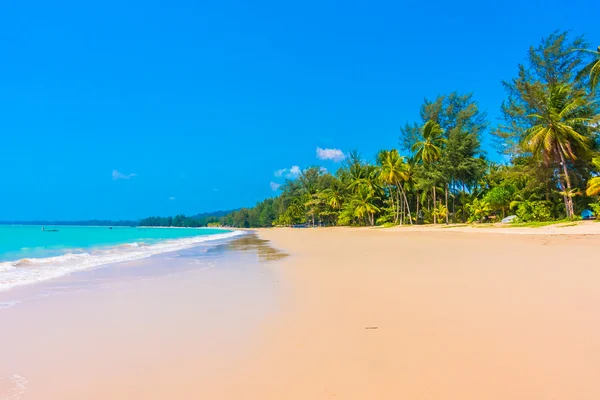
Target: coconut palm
[
  {"x": 441, "y": 211},
  {"x": 592, "y": 70},
  {"x": 479, "y": 210},
  {"x": 333, "y": 198},
  {"x": 593, "y": 188},
  {"x": 393, "y": 171},
  {"x": 559, "y": 133},
  {"x": 429, "y": 149},
  {"x": 369, "y": 177},
  {"x": 363, "y": 203}
]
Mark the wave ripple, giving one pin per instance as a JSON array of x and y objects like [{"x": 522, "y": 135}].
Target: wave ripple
[{"x": 30, "y": 270}]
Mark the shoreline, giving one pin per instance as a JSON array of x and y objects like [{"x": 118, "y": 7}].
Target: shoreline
[
  {"x": 352, "y": 314},
  {"x": 31, "y": 270},
  {"x": 171, "y": 319}
]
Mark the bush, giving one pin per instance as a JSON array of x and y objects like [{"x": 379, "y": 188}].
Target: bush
[
  {"x": 540, "y": 210},
  {"x": 595, "y": 207}
]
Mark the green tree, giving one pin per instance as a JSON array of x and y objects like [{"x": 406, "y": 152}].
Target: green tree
[
  {"x": 479, "y": 210},
  {"x": 593, "y": 188},
  {"x": 591, "y": 70},
  {"x": 363, "y": 204},
  {"x": 428, "y": 150},
  {"x": 393, "y": 171},
  {"x": 560, "y": 132},
  {"x": 554, "y": 61}
]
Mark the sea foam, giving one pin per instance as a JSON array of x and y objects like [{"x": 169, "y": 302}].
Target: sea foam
[{"x": 30, "y": 270}]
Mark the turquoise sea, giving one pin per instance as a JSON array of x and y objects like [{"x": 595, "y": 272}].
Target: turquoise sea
[{"x": 29, "y": 253}]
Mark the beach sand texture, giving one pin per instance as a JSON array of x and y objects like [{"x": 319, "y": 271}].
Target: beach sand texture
[{"x": 361, "y": 314}]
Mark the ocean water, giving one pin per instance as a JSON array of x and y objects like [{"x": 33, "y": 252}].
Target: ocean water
[{"x": 29, "y": 254}]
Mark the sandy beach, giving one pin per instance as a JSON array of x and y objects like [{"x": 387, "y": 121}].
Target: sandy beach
[
  {"x": 379, "y": 314},
  {"x": 359, "y": 314}
]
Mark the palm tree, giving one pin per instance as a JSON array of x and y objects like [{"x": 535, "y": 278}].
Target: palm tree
[
  {"x": 333, "y": 198},
  {"x": 392, "y": 170},
  {"x": 429, "y": 149},
  {"x": 593, "y": 188},
  {"x": 560, "y": 132},
  {"x": 363, "y": 203},
  {"x": 409, "y": 183},
  {"x": 479, "y": 210},
  {"x": 592, "y": 70}
]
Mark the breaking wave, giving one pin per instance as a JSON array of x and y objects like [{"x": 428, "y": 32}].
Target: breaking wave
[{"x": 30, "y": 270}]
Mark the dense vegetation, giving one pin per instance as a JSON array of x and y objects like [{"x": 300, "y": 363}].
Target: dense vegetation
[
  {"x": 180, "y": 220},
  {"x": 548, "y": 136}
]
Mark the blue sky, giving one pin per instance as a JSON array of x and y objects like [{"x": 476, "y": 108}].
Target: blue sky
[{"x": 123, "y": 109}]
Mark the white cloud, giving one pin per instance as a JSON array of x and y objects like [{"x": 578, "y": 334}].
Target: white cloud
[
  {"x": 323, "y": 170},
  {"x": 274, "y": 186},
  {"x": 294, "y": 172},
  {"x": 118, "y": 175},
  {"x": 289, "y": 173},
  {"x": 330, "y": 154},
  {"x": 172, "y": 198}
]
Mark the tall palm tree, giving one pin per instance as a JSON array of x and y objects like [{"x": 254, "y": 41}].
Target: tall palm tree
[
  {"x": 409, "y": 184},
  {"x": 429, "y": 149},
  {"x": 392, "y": 171},
  {"x": 560, "y": 132},
  {"x": 592, "y": 70}
]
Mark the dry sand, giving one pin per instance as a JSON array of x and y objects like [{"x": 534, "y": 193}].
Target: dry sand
[
  {"x": 453, "y": 316},
  {"x": 362, "y": 314}
]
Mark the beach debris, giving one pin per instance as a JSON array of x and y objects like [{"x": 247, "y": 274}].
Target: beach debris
[
  {"x": 509, "y": 219},
  {"x": 371, "y": 327}
]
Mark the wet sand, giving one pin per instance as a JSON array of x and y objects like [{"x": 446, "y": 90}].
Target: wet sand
[
  {"x": 351, "y": 314},
  {"x": 163, "y": 327}
]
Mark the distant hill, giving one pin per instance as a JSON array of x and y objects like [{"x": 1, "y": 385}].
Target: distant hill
[{"x": 217, "y": 214}]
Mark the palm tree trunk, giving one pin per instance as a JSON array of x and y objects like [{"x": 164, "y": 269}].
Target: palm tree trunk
[
  {"x": 454, "y": 209},
  {"x": 429, "y": 205},
  {"x": 394, "y": 207},
  {"x": 401, "y": 210},
  {"x": 434, "y": 205},
  {"x": 398, "y": 211},
  {"x": 447, "y": 204},
  {"x": 564, "y": 191},
  {"x": 417, "y": 204},
  {"x": 399, "y": 204},
  {"x": 568, "y": 197},
  {"x": 407, "y": 204}
]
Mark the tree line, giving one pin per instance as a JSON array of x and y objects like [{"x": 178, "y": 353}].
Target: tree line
[{"x": 548, "y": 135}]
